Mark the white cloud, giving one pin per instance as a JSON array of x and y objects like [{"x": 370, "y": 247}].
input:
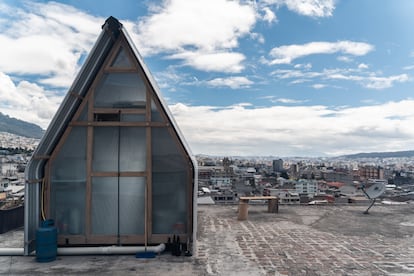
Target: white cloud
[
  {"x": 227, "y": 62},
  {"x": 27, "y": 101},
  {"x": 312, "y": 8},
  {"x": 366, "y": 79},
  {"x": 409, "y": 67},
  {"x": 363, "y": 66},
  {"x": 372, "y": 81},
  {"x": 306, "y": 66},
  {"x": 287, "y": 101},
  {"x": 345, "y": 59},
  {"x": 207, "y": 27},
  {"x": 259, "y": 37},
  {"x": 287, "y": 53},
  {"x": 296, "y": 130},
  {"x": 46, "y": 39},
  {"x": 232, "y": 82},
  {"x": 202, "y": 35},
  {"x": 319, "y": 86},
  {"x": 269, "y": 15}
]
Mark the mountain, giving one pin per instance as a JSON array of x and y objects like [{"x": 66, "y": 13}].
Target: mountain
[
  {"x": 408, "y": 153},
  {"x": 19, "y": 127}
]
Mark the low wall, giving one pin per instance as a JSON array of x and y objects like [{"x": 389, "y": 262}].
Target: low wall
[{"x": 11, "y": 218}]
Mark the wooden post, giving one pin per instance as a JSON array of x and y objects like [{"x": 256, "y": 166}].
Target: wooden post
[{"x": 243, "y": 210}]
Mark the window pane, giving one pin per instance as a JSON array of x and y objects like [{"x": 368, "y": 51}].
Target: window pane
[
  {"x": 68, "y": 180},
  {"x": 125, "y": 90},
  {"x": 155, "y": 114},
  {"x": 133, "y": 117},
  {"x": 132, "y": 205},
  {"x": 122, "y": 60},
  {"x": 169, "y": 184},
  {"x": 104, "y": 205},
  {"x": 169, "y": 203},
  {"x": 106, "y": 201},
  {"x": 70, "y": 162},
  {"x": 68, "y": 207},
  {"x": 84, "y": 115},
  {"x": 105, "y": 149},
  {"x": 133, "y": 154}
]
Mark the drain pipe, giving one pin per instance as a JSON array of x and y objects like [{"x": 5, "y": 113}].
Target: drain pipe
[{"x": 101, "y": 250}]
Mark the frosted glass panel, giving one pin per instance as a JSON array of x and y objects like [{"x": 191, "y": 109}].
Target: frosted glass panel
[
  {"x": 104, "y": 205},
  {"x": 133, "y": 149},
  {"x": 68, "y": 207},
  {"x": 68, "y": 180},
  {"x": 133, "y": 117},
  {"x": 169, "y": 184},
  {"x": 132, "y": 205},
  {"x": 125, "y": 90},
  {"x": 105, "y": 149},
  {"x": 155, "y": 114},
  {"x": 84, "y": 115},
  {"x": 169, "y": 203},
  {"x": 106, "y": 200},
  {"x": 121, "y": 60},
  {"x": 70, "y": 162}
]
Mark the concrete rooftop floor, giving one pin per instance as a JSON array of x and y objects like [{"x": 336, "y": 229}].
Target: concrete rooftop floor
[{"x": 299, "y": 240}]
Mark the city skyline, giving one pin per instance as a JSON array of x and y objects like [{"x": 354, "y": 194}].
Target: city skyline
[{"x": 274, "y": 77}]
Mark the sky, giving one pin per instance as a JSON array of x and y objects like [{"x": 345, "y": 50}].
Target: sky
[{"x": 241, "y": 78}]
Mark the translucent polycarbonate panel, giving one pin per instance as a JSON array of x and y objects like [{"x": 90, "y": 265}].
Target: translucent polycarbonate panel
[
  {"x": 67, "y": 182},
  {"x": 121, "y": 60},
  {"x": 105, "y": 149},
  {"x": 169, "y": 203},
  {"x": 107, "y": 199},
  {"x": 132, "y": 205},
  {"x": 68, "y": 206},
  {"x": 104, "y": 213},
  {"x": 155, "y": 114},
  {"x": 84, "y": 115},
  {"x": 133, "y": 152},
  {"x": 133, "y": 118},
  {"x": 167, "y": 155},
  {"x": 70, "y": 161},
  {"x": 170, "y": 184},
  {"x": 126, "y": 90}
]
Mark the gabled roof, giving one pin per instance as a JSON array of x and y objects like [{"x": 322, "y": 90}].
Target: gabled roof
[
  {"x": 110, "y": 32},
  {"x": 108, "y": 38}
]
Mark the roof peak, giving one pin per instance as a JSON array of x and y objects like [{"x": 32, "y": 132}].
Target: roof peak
[{"x": 113, "y": 25}]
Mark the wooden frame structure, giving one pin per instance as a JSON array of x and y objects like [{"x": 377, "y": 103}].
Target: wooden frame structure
[{"x": 118, "y": 143}]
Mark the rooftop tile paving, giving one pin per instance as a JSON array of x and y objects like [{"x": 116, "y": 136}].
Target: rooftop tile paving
[{"x": 299, "y": 240}]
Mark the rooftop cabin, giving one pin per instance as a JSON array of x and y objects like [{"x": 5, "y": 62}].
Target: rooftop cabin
[{"x": 113, "y": 167}]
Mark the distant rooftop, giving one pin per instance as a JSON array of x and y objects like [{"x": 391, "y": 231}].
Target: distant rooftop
[{"x": 299, "y": 240}]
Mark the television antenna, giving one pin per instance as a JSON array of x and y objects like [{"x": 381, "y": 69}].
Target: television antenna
[{"x": 373, "y": 192}]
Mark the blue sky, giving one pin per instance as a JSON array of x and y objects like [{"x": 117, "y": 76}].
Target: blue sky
[{"x": 272, "y": 77}]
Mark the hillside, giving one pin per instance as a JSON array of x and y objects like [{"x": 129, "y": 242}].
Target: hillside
[
  {"x": 19, "y": 127},
  {"x": 395, "y": 154}
]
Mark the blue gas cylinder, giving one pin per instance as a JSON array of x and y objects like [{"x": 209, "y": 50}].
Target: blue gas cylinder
[{"x": 46, "y": 242}]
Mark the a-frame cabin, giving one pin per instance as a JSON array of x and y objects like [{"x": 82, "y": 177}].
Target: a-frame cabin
[{"x": 112, "y": 167}]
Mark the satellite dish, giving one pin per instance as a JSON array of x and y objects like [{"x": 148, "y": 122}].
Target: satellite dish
[
  {"x": 376, "y": 190},
  {"x": 373, "y": 192}
]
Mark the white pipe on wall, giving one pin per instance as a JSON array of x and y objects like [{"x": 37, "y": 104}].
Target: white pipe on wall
[{"x": 101, "y": 250}]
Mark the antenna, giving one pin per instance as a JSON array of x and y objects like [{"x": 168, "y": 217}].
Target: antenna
[{"x": 373, "y": 192}]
